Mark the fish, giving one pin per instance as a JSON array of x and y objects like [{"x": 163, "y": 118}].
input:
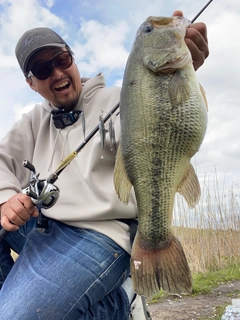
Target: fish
[{"x": 163, "y": 116}]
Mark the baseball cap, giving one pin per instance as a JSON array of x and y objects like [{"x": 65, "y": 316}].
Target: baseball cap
[{"x": 32, "y": 41}]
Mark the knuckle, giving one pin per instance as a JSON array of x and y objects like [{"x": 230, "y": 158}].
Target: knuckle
[
  {"x": 7, "y": 225},
  {"x": 198, "y": 27},
  {"x": 13, "y": 218},
  {"x": 191, "y": 33}
]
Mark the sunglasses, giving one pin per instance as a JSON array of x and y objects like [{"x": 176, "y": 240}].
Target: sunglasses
[{"x": 43, "y": 70}]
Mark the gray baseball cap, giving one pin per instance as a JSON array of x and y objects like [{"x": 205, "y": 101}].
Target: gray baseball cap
[{"x": 32, "y": 41}]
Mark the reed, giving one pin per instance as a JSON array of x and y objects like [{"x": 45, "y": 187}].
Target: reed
[{"x": 210, "y": 233}]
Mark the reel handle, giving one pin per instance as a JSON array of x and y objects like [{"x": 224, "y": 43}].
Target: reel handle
[
  {"x": 43, "y": 194},
  {"x": 29, "y": 166},
  {"x": 3, "y": 234}
]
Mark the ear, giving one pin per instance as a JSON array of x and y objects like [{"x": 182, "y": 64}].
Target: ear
[{"x": 31, "y": 84}]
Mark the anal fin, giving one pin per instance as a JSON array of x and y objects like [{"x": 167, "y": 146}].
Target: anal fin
[{"x": 190, "y": 188}]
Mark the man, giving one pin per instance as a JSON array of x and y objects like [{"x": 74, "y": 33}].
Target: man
[{"x": 78, "y": 267}]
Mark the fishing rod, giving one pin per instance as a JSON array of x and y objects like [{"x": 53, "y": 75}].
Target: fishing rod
[
  {"x": 54, "y": 176},
  {"x": 43, "y": 192},
  {"x": 201, "y": 11}
]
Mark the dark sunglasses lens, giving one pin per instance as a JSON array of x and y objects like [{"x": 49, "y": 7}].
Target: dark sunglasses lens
[
  {"x": 43, "y": 70},
  {"x": 63, "y": 60}
]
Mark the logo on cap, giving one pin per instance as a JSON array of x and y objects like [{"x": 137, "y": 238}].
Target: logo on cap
[{"x": 31, "y": 40}]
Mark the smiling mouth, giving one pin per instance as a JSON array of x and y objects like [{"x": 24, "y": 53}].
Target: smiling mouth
[{"x": 62, "y": 86}]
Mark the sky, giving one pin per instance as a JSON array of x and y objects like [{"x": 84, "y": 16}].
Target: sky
[{"x": 101, "y": 34}]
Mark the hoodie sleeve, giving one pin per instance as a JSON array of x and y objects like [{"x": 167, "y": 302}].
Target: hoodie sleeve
[{"x": 16, "y": 146}]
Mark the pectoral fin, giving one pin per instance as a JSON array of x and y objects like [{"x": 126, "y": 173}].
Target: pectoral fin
[
  {"x": 179, "y": 88},
  {"x": 121, "y": 181},
  {"x": 204, "y": 96},
  {"x": 190, "y": 188}
]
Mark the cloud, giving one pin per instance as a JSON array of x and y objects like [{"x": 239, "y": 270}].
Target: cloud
[
  {"x": 221, "y": 147},
  {"x": 19, "y": 109},
  {"x": 15, "y": 18},
  {"x": 18, "y": 16},
  {"x": 49, "y": 3},
  {"x": 101, "y": 35},
  {"x": 100, "y": 47}
]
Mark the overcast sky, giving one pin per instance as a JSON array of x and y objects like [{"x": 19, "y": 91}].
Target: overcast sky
[{"x": 101, "y": 34}]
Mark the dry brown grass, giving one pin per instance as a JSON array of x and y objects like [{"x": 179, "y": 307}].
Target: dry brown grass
[{"x": 210, "y": 233}]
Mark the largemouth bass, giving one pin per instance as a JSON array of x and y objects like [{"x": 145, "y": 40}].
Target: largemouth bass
[{"x": 163, "y": 116}]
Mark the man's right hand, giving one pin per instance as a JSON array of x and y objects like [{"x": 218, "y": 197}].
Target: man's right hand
[{"x": 17, "y": 211}]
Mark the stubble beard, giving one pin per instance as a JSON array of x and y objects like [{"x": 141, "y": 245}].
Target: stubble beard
[{"x": 68, "y": 103}]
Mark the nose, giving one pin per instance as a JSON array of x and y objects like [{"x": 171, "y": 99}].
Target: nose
[{"x": 56, "y": 73}]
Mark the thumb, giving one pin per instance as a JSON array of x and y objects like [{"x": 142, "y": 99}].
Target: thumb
[
  {"x": 35, "y": 212},
  {"x": 177, "y": 13}
]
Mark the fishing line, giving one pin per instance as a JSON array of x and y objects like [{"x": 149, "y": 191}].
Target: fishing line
[
  {"x": 66, "y": 161},
  {"x": 54, "y": 176}
]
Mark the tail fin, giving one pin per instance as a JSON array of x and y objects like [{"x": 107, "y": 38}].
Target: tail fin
[{"x": 163, "y": 267}]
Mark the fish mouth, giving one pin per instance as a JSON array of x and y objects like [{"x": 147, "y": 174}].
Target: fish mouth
[
  {"x": 171, "y": 65},
  {"x": 167, "y": 71},
  {"x": 168, "y": 67}
]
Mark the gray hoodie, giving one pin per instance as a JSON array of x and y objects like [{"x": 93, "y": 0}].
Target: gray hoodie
[{"x": 87, "y": 195}]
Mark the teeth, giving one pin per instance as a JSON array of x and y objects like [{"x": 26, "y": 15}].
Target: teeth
[{"x": 61, "y": 85}]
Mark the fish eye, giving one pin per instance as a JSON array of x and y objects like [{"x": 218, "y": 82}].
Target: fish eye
[{"x": 147, "y": 28}]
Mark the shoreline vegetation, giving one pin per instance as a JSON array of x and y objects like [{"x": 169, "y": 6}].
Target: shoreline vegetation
[
  {"x": 210, "y": 232},
  {"x": 210, "y": 236}
]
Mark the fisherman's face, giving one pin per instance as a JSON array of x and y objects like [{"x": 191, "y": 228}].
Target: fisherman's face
[{"x": 63, "y": 87}]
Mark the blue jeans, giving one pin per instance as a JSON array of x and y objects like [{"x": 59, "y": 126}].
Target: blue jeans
[{"x": 62, "y": 273}]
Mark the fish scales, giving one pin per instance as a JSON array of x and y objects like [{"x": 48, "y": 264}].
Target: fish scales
[{"x": 163, "y": 123}]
